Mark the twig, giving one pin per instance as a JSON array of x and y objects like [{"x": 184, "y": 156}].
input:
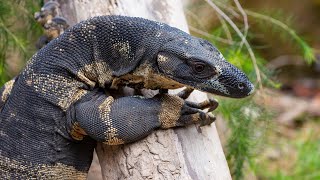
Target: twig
[
  {"x": 236, "y": 29},
  {"x": 216, "y": 38},
  {"x": 194, "y": 17},
  {"x": 225, "y": 27},
  {"x": 245, "y": 21},
  {"x": 229, "y": 9},
  {"x": 196, "y": 30}
]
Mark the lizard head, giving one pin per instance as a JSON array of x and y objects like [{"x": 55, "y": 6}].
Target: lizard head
[{"x": 197, "y": 63}]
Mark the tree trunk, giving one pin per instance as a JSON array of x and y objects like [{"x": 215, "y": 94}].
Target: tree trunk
[{"x": 182, "y": 153}]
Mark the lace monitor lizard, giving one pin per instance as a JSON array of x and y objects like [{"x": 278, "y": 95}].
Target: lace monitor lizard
[{"x": 59, "y": 106}]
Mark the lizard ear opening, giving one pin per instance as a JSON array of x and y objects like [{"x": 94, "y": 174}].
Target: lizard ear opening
[
  {"x": 168, "y": 63},
  {"x": 174, "y": 67}
]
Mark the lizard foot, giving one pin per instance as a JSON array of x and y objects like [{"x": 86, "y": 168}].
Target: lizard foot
[
  {"x": 210, "y": 104},
  {"x": 189, "y": 112},
  {"x": 184, "y": 94},
  {"x": 192, "y": 113}
]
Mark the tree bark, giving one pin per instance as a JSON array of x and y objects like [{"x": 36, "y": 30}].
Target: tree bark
[{"x": 182, "y": 153}]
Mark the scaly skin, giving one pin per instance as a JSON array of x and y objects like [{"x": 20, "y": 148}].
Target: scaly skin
[{"x": 56, "y": 109}]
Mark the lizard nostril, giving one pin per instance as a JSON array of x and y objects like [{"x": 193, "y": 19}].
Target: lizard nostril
[{"x": 241, "y": 85}]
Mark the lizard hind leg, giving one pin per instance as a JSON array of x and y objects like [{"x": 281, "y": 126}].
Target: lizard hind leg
[{"x": 51, "y": 20}]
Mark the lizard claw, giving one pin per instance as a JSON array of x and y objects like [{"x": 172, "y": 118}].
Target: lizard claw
[
  {"x": 184, "y": 94},
  {"x": 191, "y": 113},
  {"x": 211, "y": 103},
  {"x": 206, "y": 119}
]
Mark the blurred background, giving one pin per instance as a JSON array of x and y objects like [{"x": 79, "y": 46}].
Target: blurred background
[{"x": 274, "y": 134}]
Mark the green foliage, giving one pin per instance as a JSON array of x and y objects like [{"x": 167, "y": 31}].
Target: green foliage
[
  {"x": 18, "y": 31},
  {"x": 240, "y": 142},
  {"x": 305, "y": 166},
  {"x": 246, "y": 119},
  {"x": 308, "y": 163}
]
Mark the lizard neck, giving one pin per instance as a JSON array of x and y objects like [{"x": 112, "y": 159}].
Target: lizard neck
[{"x": 145, "y": 76}]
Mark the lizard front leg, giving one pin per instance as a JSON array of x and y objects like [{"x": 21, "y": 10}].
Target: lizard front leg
[{"x": 128, "y": 119}]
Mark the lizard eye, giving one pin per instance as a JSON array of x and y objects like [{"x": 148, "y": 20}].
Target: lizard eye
[
  {"x": 199, "y": 67},
  {"x": 202, "y": 70}
]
